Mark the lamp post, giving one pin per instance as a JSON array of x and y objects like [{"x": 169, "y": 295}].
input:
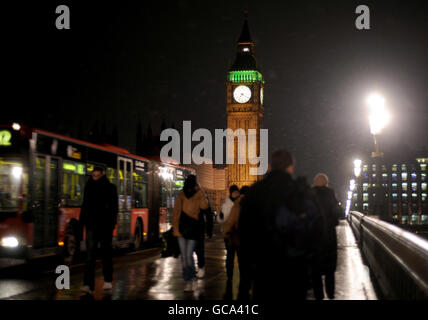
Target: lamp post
[
  {"x": 357, "y": 168},
  {"x": 378, "y": 119},
  {"x": 348, "y": 203},
  {"x": 358, "y": 186},
  {"x": 352, "y": 185},
  {"x": 350, "y": 196}
]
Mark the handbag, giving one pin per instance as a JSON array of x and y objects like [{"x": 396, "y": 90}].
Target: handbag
[
  {"x": 188, "y": 227},
  {"x": 169, "y": 245}
]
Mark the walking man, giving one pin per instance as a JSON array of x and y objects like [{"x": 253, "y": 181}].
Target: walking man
[
  {"x": 277, "y": 230},
  {"x": 99, "y": 216}
]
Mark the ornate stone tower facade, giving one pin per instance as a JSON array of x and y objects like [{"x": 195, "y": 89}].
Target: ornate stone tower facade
[{"x": 245, "y": 85}]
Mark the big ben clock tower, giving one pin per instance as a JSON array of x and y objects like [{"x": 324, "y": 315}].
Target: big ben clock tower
[{"x": 244, "y": 106}]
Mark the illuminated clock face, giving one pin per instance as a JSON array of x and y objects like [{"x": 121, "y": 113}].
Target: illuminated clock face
[
  {"x": 242, "y": 94},
  {"x": 261, "y": 95}
]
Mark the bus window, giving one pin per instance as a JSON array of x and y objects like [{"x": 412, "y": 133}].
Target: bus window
[
  {"x": 39, "y": 179},
  {"x": 140, "y": 190},
  {"x": 164, "y": 193},
  {"x": 11, "y": 177},
  {"x": 73, "y": 183},
  {"x": 121, "y": 182},
  {"x": 167, "y": 192},
  {"x": 177, "y": 187},
  {"x": 124, "y": 185},
  {"x": 111, "y": 175},
  {"x": 128, "y": 184}
]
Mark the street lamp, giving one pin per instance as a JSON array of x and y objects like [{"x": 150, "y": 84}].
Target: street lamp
[
  {"x": 378, "y": 118},
  {"x": 357, "y": 183},
  {"x": 357, "y": 167}
]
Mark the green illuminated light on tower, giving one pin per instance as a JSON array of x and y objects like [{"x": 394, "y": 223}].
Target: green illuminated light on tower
[{"x": 245, "y": 76}]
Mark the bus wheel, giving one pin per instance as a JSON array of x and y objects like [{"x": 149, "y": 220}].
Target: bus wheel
[
  {"x": 137, "y": 235},
  {"x": 71, "y": 248}
]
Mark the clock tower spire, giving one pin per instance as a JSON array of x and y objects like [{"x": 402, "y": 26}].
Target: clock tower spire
[{"x": 244, "y": 105}]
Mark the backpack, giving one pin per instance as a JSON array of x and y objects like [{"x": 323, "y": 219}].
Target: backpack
[{"x": 297, "y": 222}]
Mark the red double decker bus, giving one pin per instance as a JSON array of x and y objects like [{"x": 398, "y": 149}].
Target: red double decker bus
[{"x": 42, "y": 180}]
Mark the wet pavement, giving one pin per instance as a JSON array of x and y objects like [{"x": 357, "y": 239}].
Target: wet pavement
[
  {"x": 144, "y": 275},
  {"x": 352, "y": 276}
]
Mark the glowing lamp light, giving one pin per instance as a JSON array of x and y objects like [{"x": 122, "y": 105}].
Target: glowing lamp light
[
  {"x": 165, "y": 174},
  {"x": 376, "y": 100},
  {"x": 16, "y": 126},
  {"x": 357, "y": 167},
  {"x": 349, "y": 195},
  {"x": 357, "y": 172},
  {"x": 17, "y": 172},
  {"x": 352, "y": 184},
  {"x": 348, "y": 204},
  {"x": 348, "y": 207},
  {"x": 379, "y": 116},
  {"x": 9, "y": 242},
  {"x": 357, "y": 163}
]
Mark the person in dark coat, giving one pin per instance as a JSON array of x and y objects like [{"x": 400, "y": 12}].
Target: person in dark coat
[
  {"x": 325, "y": 260},
  {"x": 206, "y": 224},
  {"x": 99, "y": 215},
  {"x": 278, "y": 231}
]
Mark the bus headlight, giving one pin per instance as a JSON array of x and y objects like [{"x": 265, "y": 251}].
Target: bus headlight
[
  {"x": 16, "y": 126},
  {"x": 9, "y": 242}
]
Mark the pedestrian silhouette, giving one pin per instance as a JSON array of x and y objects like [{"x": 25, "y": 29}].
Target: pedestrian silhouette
[
  {"x": 276, "y": 229},
  {"x": 206, "y": 225},
  {"x": 231, "y": 234},
  {"x": 324, "y": 261},
  {"x": 224, "y": 215},
  {"x": 99, "y": 216},
  {"x": 186, "y": 226}
]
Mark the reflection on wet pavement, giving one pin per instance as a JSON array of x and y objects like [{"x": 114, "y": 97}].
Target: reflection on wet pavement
[
  {"x": 352, "y": 276},
  {"x": 155, "y": 278}
]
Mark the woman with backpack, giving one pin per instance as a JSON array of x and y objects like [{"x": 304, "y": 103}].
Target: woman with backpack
[{"x": 188, "y": 204}]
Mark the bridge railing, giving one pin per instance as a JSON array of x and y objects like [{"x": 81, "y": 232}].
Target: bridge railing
[{"x": 397, "y": 258}]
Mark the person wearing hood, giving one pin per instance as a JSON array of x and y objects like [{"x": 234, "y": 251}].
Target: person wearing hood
[
  {"x": 186, "y": 227},
  {"x": 99, "y": 215}
]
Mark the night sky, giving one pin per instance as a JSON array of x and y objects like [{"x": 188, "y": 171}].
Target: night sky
[{"x": 152, "y": 60}]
